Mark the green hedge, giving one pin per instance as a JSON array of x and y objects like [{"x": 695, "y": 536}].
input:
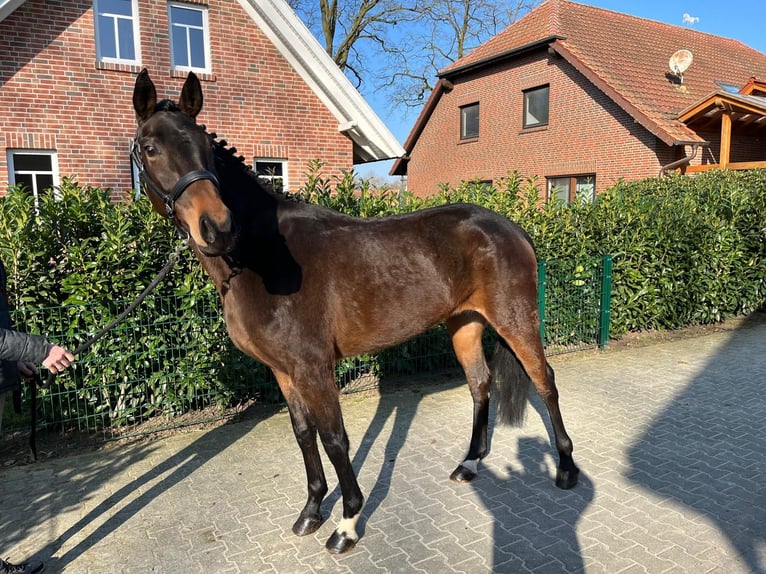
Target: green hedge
[
  {"x": 686, "y": 250},
  {"x": 80, "y": 247}
]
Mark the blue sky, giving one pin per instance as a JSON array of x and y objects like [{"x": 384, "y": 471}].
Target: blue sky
[{"x": 741, "y": 20}]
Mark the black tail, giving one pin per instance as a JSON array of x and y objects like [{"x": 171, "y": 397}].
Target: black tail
[{"x": 511, "y": 385}]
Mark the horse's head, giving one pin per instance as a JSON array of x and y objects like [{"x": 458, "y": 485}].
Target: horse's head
[{"x": 175, "y": 160}]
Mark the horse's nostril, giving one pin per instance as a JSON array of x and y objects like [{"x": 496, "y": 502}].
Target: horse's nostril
[
  {"x": 206, "y": 229},
  {"x": 219, "y": 236}
]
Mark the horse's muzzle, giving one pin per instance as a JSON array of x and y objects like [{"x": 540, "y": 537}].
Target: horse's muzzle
[{"x": 219, "y": 236}]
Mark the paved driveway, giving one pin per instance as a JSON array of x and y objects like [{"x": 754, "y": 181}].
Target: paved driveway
[{"x": 670, "y": 439}]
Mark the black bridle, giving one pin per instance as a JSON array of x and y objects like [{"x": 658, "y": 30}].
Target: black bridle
[{"x": 169, "y": 199}]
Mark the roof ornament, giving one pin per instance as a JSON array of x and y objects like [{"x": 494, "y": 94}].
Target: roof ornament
[{"x": 679, "y": 62}]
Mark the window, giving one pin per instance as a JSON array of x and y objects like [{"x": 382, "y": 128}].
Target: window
[
  {"x": 35, "y": 170},
  {"x": 189, "y": 45},
  {"x": 117, "y": 31},
  {"x": 469, "y": 121},
  {"x": 536, "y": 107},
  {"x": 273, "y": 171},
  {"x": 134, "y": 173},
  {"x": 486, "y": 184},
  {"x": 572, "y": 188}
]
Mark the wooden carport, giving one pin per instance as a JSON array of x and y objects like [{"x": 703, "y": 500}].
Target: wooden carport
[{"x": 740, "y": 113}]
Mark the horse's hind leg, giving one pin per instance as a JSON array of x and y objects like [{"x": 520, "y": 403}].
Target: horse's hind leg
[
  {"x": 567, "y": 472},
  {"x": 466, "y": 330},
  {"x": 527, "y": 349}
]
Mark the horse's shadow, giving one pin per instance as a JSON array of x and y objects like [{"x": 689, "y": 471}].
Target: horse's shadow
[
  {"x": 139, "y": 492},
  {"x": 534, "y": 523},
  {"x": 401, "y": 404}
]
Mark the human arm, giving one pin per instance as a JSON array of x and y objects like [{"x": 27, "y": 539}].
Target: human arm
[
  {"x": 17, "y": 346},
  {"x": 56, "y": 361}
]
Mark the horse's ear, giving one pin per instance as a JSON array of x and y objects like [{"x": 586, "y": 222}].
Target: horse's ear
[
  {"x": 191, "y": 96},
  {"x": 144, "y": 96}
]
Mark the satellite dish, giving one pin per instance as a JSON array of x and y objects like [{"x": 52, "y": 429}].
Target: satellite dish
[{"x": 679, "y": 62}]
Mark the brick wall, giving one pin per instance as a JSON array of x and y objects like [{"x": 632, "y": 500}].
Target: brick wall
[
  {"x": 587, "y": 133},
  {"x": 54, "y": 95}
]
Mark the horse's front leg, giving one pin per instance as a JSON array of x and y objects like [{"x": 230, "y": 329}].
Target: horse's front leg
[
  {"x": 336, "y": 445},
  {"x": 310, "y": 519},
  {"x": 323, "y": 401}
]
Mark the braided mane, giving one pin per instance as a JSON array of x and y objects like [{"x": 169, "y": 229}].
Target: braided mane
[{"x": 228, "y": 158}]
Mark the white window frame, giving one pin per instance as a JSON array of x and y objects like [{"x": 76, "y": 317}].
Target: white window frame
[
  {"x": 97, "y": 13},
  {"x": 205, "y": 37},
  {"x": 271, "y": 178},
  {"x": 54, "y": 171},
  {"x": 135, "y": 174}
]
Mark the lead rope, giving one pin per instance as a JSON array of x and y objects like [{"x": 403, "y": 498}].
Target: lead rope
[{"x": 36, "y": 380}]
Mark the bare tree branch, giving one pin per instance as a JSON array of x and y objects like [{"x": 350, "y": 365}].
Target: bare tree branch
[{"x": 400, "y": 45}]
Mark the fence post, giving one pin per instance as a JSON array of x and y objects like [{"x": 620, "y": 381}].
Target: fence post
[
  {"x": 606, "y": 300},
  {"x": 541, "y": 269}
]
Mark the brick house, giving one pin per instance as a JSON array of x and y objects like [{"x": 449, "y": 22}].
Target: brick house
[
  {"x": 68, "y": 69},
  {"x": 581, "y": 97}
]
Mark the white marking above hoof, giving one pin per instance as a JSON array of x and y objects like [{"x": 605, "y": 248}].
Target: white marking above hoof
[{"x": 347, "y": 527}]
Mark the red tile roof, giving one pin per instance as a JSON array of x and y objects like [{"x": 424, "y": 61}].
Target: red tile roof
[{"x": 627, "y": 58}]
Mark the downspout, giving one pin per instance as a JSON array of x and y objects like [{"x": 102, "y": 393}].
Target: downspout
[{"x": 680, "y": 162}]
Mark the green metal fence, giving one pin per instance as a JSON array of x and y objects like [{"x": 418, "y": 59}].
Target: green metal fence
[
  {"x": 171, "y": 362},
  {"x": 574, "y": 301}
]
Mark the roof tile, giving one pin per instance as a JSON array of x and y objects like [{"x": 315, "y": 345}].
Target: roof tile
[{"x": 630, "y": 55}]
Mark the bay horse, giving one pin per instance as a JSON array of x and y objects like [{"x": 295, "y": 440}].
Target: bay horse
[{"x": 302, "y": 286}]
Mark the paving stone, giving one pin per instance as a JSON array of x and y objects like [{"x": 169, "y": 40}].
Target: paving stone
[{"x": 669, "y": 439}]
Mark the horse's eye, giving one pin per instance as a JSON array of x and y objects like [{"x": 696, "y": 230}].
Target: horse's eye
[{"x": 150, "y": 150}]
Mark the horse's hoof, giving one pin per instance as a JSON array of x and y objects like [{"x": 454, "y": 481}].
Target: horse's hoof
[
  {"x": 340, "y": 543},
  {"x": 566, "y": 479},
  {"x": 466, "y": 471},
  {"x": 307, "y": 525},
  {"x": 462, "y": 474}
]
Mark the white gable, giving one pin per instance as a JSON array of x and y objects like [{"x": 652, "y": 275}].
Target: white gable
[{"x": 373, "y": 141}]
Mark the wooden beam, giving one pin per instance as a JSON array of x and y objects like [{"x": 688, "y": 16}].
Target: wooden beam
[
  {"x": 747, "y": 165},
  {"x": 699, "y": 168},
  {"x": 725, "y": 138},
  {"x": 739, "y": 165}
]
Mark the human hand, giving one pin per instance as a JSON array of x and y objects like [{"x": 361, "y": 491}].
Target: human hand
[
  {"x": 27, "y": 370},
  {"x": 58, "y": 359}
]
